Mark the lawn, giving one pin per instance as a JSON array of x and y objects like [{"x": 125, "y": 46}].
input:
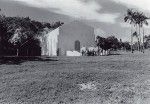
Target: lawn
[{"x": 115, "y": 79}]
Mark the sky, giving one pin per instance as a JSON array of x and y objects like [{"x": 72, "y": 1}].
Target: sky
[{"x": 106, "y": 16}]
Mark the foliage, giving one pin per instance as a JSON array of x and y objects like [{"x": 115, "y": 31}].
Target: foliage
[
  {"x": 147, "y": 42},
  {"x": 126, "y": 46},
  {"x": 137, "y": 19},
  {"x": 110, "y": 42},
  {"x": 101, "y": 42},
  {"x": 15, "y": 32}
]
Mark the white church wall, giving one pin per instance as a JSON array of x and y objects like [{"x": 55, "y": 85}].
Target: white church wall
[
  {"x": 73, "y": 53},
  {"x": 49, "y": 43},
  {"x": 63, "y": 39},
  {"x": 75, "y": 31}
]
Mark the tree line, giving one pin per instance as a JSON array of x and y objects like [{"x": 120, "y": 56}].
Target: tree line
[
  {"x": 18, "y": 35},
  {"x": 112, "y": 43},
  {"x": 137, "y": 20}
]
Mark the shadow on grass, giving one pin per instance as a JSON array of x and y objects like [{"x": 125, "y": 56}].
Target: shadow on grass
[
  {"x": 13, "y": 60},
  {"x": 114, "y": 54}
]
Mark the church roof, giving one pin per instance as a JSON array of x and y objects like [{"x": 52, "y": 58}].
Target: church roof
[{"x": 76, "y": 22}]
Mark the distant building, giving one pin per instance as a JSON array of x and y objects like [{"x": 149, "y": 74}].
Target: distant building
[{"x": 69, "y": 37}]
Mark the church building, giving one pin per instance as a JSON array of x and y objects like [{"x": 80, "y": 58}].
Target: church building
[{"x": 69, "y": 37}]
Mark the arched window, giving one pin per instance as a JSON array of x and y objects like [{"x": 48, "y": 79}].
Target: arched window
[{"x": 77, "y": 45}]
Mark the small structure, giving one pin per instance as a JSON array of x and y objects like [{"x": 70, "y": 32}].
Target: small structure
[{"x": 69, "y": 37}]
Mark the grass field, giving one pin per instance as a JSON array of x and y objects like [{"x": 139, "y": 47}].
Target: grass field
[{"x": 116, "y": 79}]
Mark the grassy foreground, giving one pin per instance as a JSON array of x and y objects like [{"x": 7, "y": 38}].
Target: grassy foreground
[{"x": 119, "y": 79}]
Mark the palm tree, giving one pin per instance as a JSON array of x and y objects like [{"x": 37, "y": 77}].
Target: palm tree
[
  {"x": 140, "y": 20},
  {"x": 130, "y": 19},
  {"x": 135, "y": 34}
]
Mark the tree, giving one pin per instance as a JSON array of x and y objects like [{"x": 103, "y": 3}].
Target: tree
[
  {"x": 17, "y": 39},
  {"x": 130, "y": 18},
  {"x": 137, "y": 19},
  {"x": 57, "y": 24},
  {"x": 18, "y": 32},
  {"x": 147, "y": 41},
  {"x": 110, "y": 42},
  {"x": 126, "y": 46},
  {"x": 3, "y": 36},
  {"x": 100, "y": 42},
  {"x": 135, "y": 34},
  {"x": 21, "y": 30},
  {"x": 141, "y": 19}
]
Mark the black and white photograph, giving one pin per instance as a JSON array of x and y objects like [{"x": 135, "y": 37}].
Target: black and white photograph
[{"x": 74, "y": 51}]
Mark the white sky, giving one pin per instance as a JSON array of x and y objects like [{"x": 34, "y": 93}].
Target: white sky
[
  {"x": 107, "y": 15},
  {"x": 75, "y": 8},
  {"x": 141, "y": 4},
  {"x": 87, "y": 9}
]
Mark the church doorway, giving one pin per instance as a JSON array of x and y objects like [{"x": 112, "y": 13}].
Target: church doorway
[{"x": 77, "y": 45}]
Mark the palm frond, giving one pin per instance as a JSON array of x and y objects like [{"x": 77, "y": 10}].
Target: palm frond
[{"x": 135, "y": 34}]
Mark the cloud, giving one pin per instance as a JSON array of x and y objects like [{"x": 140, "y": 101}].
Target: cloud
[
  {"x": 99, "y": 32},
  {"x": 140, "y": 4},
  {"x": 74, "y": 8}
]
